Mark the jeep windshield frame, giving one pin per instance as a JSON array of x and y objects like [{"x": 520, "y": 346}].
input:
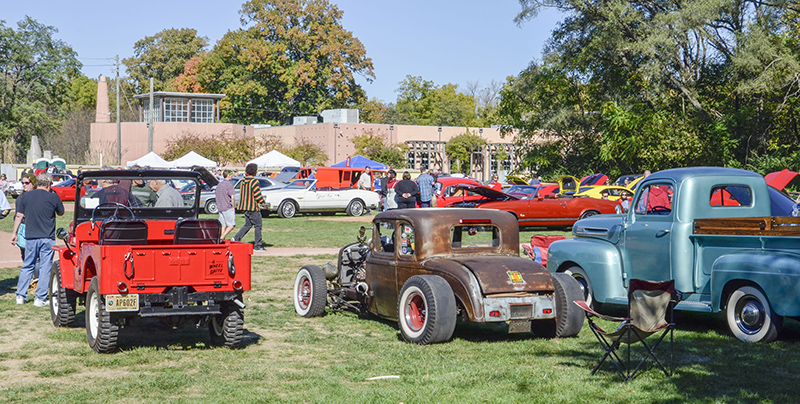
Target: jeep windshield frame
[{"x": 88, "y": 199}]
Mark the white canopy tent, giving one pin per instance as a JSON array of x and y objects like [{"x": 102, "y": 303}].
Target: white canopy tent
[
  {"x": 151, "y": 160},
  {"x": 193, "y": 159},
  {"x": 274, "y": 159}
]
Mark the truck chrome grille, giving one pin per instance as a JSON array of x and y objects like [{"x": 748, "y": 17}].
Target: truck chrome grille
[{"x": 521, "y": 311}]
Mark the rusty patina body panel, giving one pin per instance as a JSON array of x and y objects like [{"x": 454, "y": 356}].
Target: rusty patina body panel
[{"x": 477, "y": 274}]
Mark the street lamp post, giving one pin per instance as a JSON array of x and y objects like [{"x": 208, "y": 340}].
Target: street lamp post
[
  {"x": 335, "y": 127},
  {"x": 441, "y": 151}
]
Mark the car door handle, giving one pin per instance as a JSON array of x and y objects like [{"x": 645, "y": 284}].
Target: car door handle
[{"x": 662, "y": 232}]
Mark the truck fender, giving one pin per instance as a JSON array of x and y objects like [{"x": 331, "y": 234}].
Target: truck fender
[
  {"x": 776, "y": 273},
  {"x": 600, "y": 260},
  {"x": 464, "y": 284}
]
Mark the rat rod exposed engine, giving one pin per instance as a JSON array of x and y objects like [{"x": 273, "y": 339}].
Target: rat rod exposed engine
[{"x": 345, "y": 286}]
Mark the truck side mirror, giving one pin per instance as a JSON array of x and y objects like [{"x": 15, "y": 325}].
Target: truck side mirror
[
  {"x": 362, "y": 235},
  {"x": 61, "y": 233}
]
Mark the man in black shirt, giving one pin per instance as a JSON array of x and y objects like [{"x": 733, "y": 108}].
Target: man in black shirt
[{"x": 39, "y": 208}]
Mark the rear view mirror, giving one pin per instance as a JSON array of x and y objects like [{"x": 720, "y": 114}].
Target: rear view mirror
[{"x": 61, "y": 233}]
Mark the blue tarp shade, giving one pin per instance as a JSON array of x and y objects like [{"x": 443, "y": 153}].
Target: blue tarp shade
[{"x": 360, "y": 161}]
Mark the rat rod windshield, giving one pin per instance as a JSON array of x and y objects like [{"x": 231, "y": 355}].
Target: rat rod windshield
[{"x": 148, "y": 194}]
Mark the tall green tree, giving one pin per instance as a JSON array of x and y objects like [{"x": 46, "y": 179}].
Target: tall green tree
[
  {"x": 421, "y": 102},
  {"x": 292, "y": 57},
  {"x": 35, "y": 73},
  {"x": 668, "y": 83},
  {"x": 461, "y": 147},
  {"x": 374, "y": 148},
  {"x": 162, "y": 57}
]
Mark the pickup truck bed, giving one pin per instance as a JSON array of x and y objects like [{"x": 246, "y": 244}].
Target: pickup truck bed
[{"x": 750, "y": 226}]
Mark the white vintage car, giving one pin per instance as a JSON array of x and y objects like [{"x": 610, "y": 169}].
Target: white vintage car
[{"x": 303, "y": 196}]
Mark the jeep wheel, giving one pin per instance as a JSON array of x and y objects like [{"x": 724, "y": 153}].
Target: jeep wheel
[
  {"x": 287, "y": 209},
  {"x": 62, "y": 301},
  {"x": 569, "y": 317},
  {"x": 310, "y": 291},
  {"x": 355, "y": 208},
  {"x": 101, "y": 333},
  {"x": 750, "y": 317},
  {"x": 211, "y": 206},
  {"x": 426, "y": 310},
  {"x": 227, "y": 329}
]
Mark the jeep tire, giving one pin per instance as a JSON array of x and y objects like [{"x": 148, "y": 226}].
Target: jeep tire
[
  {"x": 62, "y": 301},
  {"x": 100, "y": 331},
  {"x": 227, "y": 329}
]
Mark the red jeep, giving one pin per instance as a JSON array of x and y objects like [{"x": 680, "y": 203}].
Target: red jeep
[{"x": 132, "y": 252}]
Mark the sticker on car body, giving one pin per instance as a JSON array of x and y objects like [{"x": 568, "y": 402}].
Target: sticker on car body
[{"x": 515, "y": 277}]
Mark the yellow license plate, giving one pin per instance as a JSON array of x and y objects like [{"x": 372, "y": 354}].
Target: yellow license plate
[{"x": 122, "y": 302}]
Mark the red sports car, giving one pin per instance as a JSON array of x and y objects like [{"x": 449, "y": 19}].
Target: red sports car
[
  {"x": 558, "y": 211},
  {"x": 65, "y": 189},
  {"x": 448, "y": 193}
]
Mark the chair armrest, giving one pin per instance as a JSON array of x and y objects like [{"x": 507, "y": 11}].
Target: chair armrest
[{"x": 585, "y": 307}]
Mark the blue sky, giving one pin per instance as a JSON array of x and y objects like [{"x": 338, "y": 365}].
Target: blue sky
[{"x": 444, "y": 41}]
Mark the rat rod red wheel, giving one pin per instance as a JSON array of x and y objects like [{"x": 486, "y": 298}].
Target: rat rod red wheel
[
  {"x": 426, "y": 310},
  {"x": 310, "y": 291}
]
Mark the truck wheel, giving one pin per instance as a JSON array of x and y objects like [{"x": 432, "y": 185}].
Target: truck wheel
[
  {"x": 569, "y": 318},
  {"x": 287, "y": 209},
  {"x": 426, "y": 310},
  {"x": 310, "y": 291},
  {"x": 355, "y": 208},
  {"x": 586, "y": 288},
  {"x": 62, "y": 301},
  {"x": 749, "y": 316},
  {"x": 101, "y": 333},
  {"x": 211, "y": 207},
  {"x": 227, "y": 329}
]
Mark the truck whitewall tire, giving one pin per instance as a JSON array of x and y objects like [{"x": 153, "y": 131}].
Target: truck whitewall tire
[
  {"x": 426, "y": 310},
  {"x": 750, "y": 317},
  {"x": 310, "y": 291},
  {"x": 583, "y": 280}
]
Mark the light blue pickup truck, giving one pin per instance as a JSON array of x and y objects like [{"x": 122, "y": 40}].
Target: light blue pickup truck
[{"x": 722, "y": 234}]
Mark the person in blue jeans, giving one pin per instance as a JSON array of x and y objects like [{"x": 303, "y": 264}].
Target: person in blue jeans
[{"x": 38, "y": 208}]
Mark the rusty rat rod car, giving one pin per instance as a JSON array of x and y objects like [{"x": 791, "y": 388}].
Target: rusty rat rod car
[
  {"x": 427, "y": 267},
  {"x": 132, "y": 252}
]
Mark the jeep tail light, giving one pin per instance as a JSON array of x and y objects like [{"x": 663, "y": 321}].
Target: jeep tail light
[
  {"x": 122, "y": 287},
  {"x": 237, "y": 285},
  {"x": 494, "y": 313},
  {"x": 475, "y": 221},
  {"x": 547, "y": 311}
]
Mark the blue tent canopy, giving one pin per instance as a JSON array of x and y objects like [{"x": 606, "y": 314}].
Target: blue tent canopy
[{"x": 360, "y": 161}]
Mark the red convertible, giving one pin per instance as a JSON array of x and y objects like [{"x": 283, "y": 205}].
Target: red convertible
[{"x": 556, "y": 211}]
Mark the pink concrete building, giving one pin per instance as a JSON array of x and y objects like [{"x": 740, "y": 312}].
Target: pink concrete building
[{"x": 176, "y": 114}]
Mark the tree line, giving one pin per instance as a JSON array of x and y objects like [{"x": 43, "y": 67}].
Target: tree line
[{"x": 622, "y": 87}]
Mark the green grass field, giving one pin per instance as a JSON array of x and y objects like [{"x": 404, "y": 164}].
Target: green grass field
[{"x": 286, "y": 358}]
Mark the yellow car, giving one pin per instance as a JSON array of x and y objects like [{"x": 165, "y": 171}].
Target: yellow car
[{"x": 614, "y": 191}]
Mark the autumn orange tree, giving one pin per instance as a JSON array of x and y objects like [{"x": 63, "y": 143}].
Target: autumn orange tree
[{"x": 292, "y": 57}]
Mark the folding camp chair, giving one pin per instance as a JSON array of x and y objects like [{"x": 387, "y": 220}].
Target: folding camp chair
[{"x": 650, "y": 307}]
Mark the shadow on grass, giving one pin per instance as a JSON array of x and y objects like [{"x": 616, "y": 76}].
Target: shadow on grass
[
  {"x": 8, "y": 286},
  {"x": 160, "y": 334}
]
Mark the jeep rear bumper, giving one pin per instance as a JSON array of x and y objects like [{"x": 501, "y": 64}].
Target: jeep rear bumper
[{"x": 180, "y": 302}]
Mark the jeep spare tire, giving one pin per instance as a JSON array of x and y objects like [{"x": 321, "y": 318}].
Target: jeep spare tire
[{"x": 426, "y": 310}]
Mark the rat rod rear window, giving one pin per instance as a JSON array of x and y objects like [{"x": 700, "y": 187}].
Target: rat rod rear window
[{"x": 471, "y": 236}]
